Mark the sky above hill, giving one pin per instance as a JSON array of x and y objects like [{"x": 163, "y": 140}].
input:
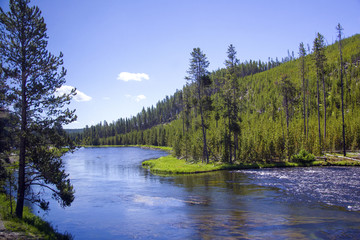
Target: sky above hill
[{"x": 123, "y": 55}]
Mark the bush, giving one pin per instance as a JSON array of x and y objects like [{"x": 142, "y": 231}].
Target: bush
[{"x": 303, "y": 157}]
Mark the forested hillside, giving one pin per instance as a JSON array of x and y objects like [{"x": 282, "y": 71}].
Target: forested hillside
[
  {"x": 253, "y": 110},
  {"x": 163, "y": 112}
]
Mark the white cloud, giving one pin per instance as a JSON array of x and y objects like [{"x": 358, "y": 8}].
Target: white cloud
[
  {"x": 126, "y": 76},
  {"x": 79, "y": 97},
  {"x": 137, "y": 98}
]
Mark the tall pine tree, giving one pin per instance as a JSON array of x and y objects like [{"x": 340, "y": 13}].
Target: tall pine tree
[
  {"x": 302, "y": 54},
  {"x": 198, "y": 75},
  {"x": 319, "y": 59},
  {"x": 33, "y": 78},
  {"x": 339, "y": 29},
  {"x": 230, "y": 92}
]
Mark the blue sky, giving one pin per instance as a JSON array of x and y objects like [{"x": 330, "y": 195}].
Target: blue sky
[{"x": 123, "y": 55}]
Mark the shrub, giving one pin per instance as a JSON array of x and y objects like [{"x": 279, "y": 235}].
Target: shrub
[{"x": 303, "y": 157}]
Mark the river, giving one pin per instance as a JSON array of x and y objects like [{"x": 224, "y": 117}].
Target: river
[{"x": 117, "y": 199}]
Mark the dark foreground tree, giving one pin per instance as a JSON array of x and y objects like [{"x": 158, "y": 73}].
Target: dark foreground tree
[{"x": 32, "y": 77}]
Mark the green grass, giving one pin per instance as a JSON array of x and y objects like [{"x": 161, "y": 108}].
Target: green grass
[
  {"x": 30, "y": 225},
  {"x": 172, "y": 165},
  {"x": 167, "y": 149}
]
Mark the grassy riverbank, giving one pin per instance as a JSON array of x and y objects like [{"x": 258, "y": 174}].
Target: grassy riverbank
[
  {"x": 172, "y": 165},
  {"x": 29, "y": 227}
]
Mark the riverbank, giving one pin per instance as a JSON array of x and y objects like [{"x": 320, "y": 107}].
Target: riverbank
[
  {"x": 172, "y": 165},
  {"x": 29, "y": 227},
  {"x": 167, "y": 149}
]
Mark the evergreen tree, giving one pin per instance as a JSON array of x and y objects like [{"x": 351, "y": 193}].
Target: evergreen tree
[
  {"x": 198, "y": 75},
  {"x": 230, "y": 92},
  {"x": 319, "y": 58},
  {"x": 339, "y": 29},
  {"x": 302, "y": 54},
  {"x": 186, "y": 119},
  {"x": 288, "y": 91},
  {"x": 33, "y": 78}
]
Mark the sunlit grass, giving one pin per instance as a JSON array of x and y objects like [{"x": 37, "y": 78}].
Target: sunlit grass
[
  {"x": 170, "y": 164},
  {"x": 168, "y": 149}
]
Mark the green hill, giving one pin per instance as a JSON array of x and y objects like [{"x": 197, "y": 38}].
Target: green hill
[{"x": 258, "y": 125}]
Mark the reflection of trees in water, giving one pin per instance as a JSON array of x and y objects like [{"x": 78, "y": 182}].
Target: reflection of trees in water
[{"x": 215, "y": 196}]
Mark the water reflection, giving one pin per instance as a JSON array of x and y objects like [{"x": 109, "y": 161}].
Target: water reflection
[{"x": 117, "y": 199}]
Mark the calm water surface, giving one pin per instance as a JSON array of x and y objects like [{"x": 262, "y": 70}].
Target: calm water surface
[{"x": 117, "y": 199}]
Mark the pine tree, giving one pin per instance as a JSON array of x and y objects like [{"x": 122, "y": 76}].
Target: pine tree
[
  {"x": 319, "y": 58},
  {"x": 186, "y": 119},
  {"x": 33, "y": 79},
  {"x": 339, "y": 29},
  {"x": 288, "y": 91},
  {"x": 198, "y": 75},
  {"x": 302, "y": 54},
  {"x": 230, "y": 92}
]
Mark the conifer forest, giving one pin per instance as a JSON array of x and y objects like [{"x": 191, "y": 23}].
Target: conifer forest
[{"x": 252, "y": 110}]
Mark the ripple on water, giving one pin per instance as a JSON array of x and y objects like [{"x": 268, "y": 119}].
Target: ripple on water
[{"x": 333, "y": 186}]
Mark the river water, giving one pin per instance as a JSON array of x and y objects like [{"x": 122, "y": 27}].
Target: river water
[{"x": 117, "y": 199}]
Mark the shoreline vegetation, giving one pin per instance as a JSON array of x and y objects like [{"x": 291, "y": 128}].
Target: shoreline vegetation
[
  {"x": 171, "y": 165},
  {"x": 29, "y": 227},
  {"x": 166, "y": 149}
]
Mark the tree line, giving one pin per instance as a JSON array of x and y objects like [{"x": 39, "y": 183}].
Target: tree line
[
  {"x": 263, "y": 113},
  {"x": 165, "y": 111}
]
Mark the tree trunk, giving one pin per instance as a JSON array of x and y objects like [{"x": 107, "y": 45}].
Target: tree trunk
[
  {"x": 342, "y": 98},
  {"x": 302, "y": 71},
  {"x": 308, "y": 110},
  {"x": 287, "y": 112},
  {"x": 205, "y": 152},
  {"x": 324, "y": 89},
  {"x": 304, "y": 107},
  {"x": 22, "y": 154},
  {"x": 236, "y": 146},
  {"x": 318, "y": 107},
  {"x": 229, "y": 136},
  {"x": 287, "y": 126}
]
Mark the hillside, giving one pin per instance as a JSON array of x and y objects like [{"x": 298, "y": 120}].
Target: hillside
[{"x": 257, "y": 129}]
